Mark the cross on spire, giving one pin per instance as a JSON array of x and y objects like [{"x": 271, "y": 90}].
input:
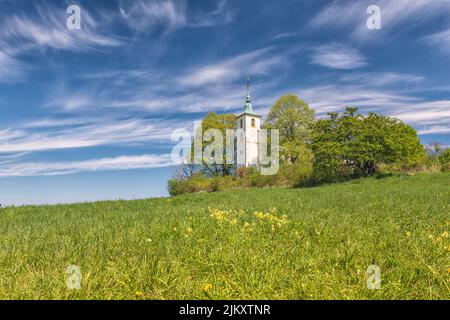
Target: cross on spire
[{"x": 248, "y": 90}]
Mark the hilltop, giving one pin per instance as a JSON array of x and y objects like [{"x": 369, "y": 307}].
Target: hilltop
[{"x": 277, "y": 243}]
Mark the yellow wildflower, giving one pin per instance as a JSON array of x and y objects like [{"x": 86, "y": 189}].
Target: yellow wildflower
[
  {"x": 139, "y": 293},
  {"x": 259, "y": 215},
  {"x": 207, "y": 287}
]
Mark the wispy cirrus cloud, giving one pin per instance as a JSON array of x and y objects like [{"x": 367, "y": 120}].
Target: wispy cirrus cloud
[
  {"x": 440, "y": 40},
  {"x": 352, "y": 16},
  {"x": 11, "y": 69},
  {"x": 328, "y": 98},
  {"x": 438, "y": 129},
  {"x": 126, "y": 162},
  {"x": 218, "y": 85},
  {"x": 426, "y": 113},
  {"x": 382, "y": 78},
  {"x": 146, "y": 15},
  {"x": 93, "y": 131},
  {"x": 338, "y": 56},
  {"x": 171, "y": 15},
  {"x": 31, "y": 33},
  {"x": 46, "y": 28},
  {"x": 257, "y": 62}
]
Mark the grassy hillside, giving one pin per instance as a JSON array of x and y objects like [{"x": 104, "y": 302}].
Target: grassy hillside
[{"x": 255, "y": 244}]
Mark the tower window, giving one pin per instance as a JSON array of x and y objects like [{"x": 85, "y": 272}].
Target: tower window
[
  {"x": 242, "y": 124},
  {"x": 253, "y": 123}
]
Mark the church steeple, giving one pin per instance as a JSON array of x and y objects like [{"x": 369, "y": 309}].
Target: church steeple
[
  {"x": 248, "y": 125},
  {"x": 248, "y": 100}
]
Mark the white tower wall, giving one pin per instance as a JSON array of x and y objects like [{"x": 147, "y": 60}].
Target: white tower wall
[{"x": 248, "y": 139}]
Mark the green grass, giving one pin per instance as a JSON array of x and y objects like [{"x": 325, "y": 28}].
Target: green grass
[{"x": 172, "y": 248}]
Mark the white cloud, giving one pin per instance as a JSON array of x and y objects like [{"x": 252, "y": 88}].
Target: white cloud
[
  {"x": 285, "y": 35},
  {"x": 426, "y": 113},
  {"x": 382, "y": 78},
  {"x": 215, "y": 86},
  {"x": 338, "y": 56},
  {"x": 210, "y": 74},
  {"x": 72, "y": 102},
  {"x": 11, "y": 69},
  {"x": 145, "y": 161},
  {"x": 338, "y": 14},
  {"x": 95, "y": 131},
  {"x": 220, "y": 15},
  {"x": 396, "y": 16},
  {"x": 42, "y": 29},
  {"x": 440, "y": 40},
  {"x": 53, "y": 122},
  {"x": 48, "y": 29},
  {"x": 336, "y": 97},
  {"x": 258, "y": 62},
  {"x": 439, "y": 129},
  {"x": 146, "y": 15}
]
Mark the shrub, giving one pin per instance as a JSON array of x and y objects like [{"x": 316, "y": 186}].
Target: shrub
[
  {"x": 196, "y": 183},
  {"x": 260, "y": 181},
  {"x": 226, "y": 183},
  {"x": 295, "y": 174},
  {"x": 176, "y": 187},
  {"x": 444, "y": 160}
]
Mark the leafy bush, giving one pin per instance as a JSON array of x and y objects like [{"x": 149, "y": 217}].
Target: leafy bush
[
  {"x": 350, "y": 144},
  {"x": 444, "y": 160},
  {"x": 176, "y": 187},
  {"x": 226, "y": 183},
  {"x": 196, "y": 183}
]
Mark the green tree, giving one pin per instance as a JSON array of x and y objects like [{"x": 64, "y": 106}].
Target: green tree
[
  {"x": 353, "y": 144},
  {"x": 221, "y": 122},
  {"x": 444, "y": 159},
  {"x": 293, "y": 118}
]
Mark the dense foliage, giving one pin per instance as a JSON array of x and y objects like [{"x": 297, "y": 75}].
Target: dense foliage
[
  {"x": 342, "y": 146},
  {"x": 351, "y": 144},
  {"x": 293, "y": 118},
  {"x": 220, "y": 122},
  {"x": 444, "y": 160}
]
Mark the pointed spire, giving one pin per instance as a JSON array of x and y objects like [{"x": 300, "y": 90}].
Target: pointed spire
[{"x": 248, "y": 100}]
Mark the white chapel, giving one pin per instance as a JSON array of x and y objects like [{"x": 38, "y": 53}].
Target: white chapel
[{"x": 248, "y": 126}]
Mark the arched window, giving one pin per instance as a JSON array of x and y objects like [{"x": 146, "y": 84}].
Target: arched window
[{"x": 253, "y": 123}]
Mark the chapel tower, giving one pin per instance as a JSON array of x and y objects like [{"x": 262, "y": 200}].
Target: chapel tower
[{"x": 248, "y": 126}]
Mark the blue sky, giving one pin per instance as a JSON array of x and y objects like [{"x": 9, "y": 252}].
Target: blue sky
[{"x": 88, "y": 114}]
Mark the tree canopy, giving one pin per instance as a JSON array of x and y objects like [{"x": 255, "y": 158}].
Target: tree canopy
[
  {"x": 220, "y": 122},
  {"x": 351, "y": 143},
  {"x": 293, "y": 118}
]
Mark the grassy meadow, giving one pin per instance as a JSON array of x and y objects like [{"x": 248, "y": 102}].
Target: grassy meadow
[{"x": 313, "y": 243}]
